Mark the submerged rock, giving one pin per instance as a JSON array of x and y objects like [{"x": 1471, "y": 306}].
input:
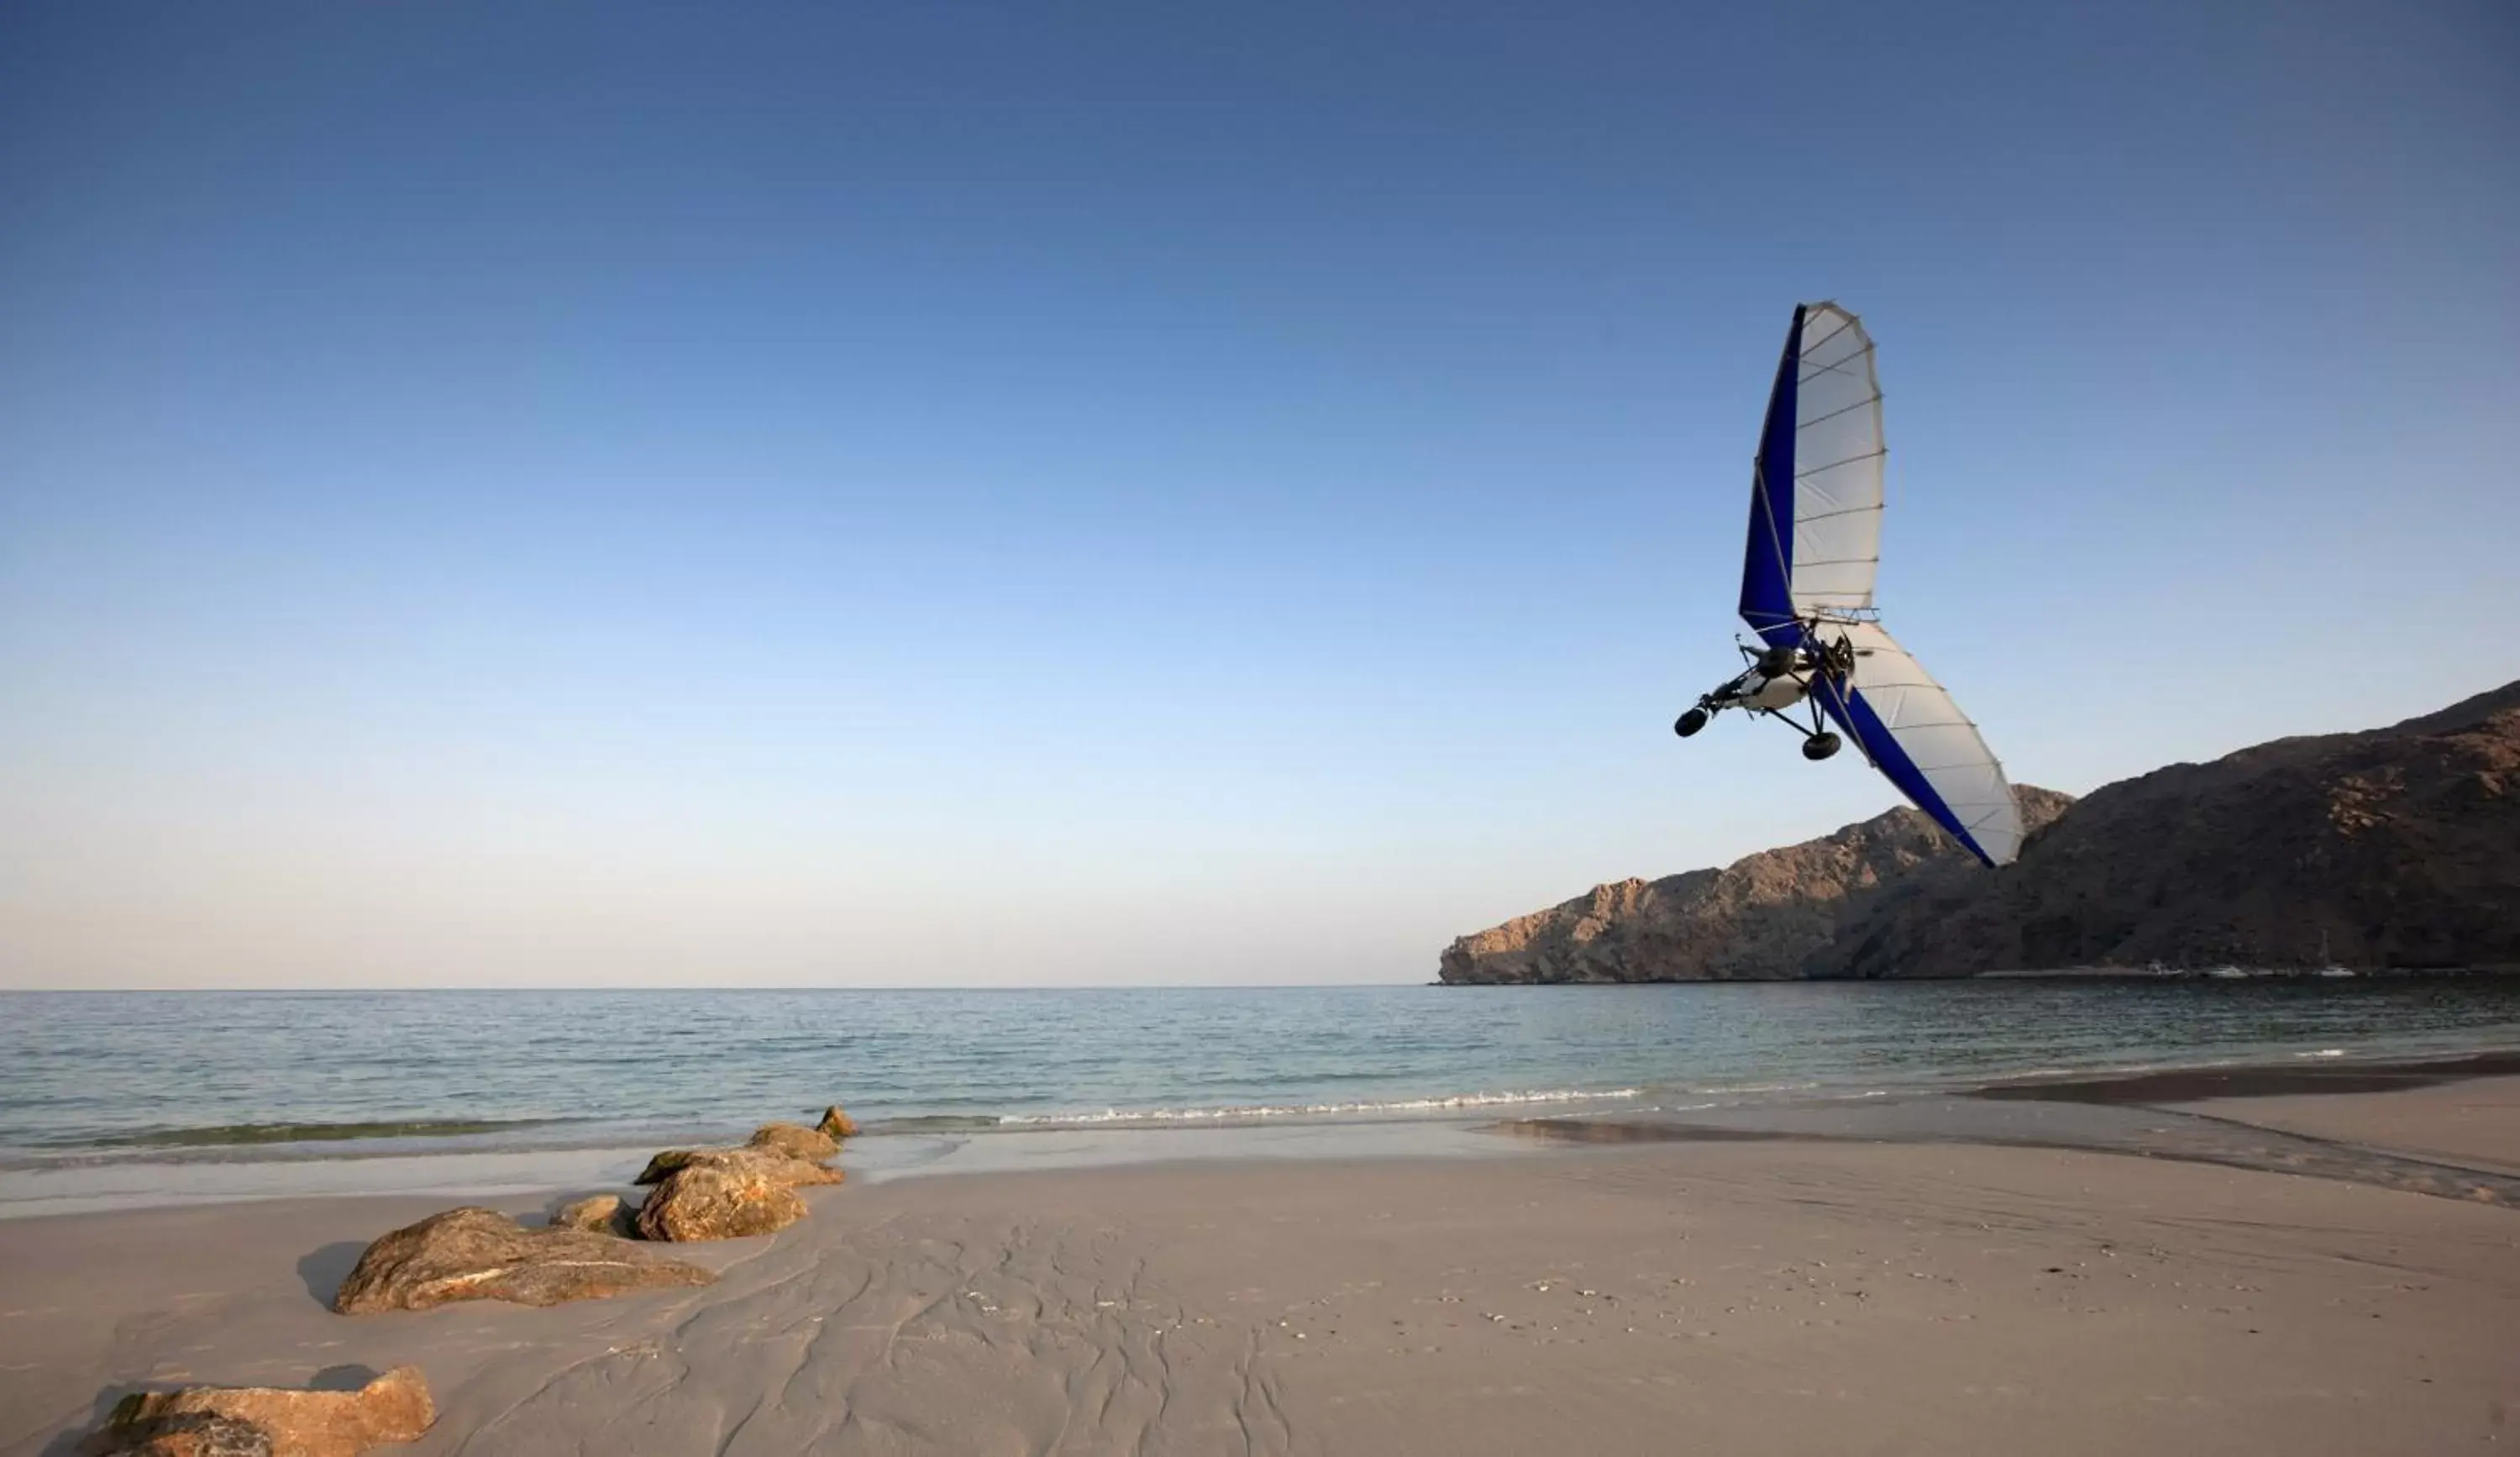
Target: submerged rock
[
  {"x": 726, "y": 1193},
  {"x": 480, "y": 1255},
  {"x": 599, "y": 1214},
  {"x": 837, "y": 1125},
  {"x": 247, "y": 1421},
  {"x": 795, "y": 1141}
]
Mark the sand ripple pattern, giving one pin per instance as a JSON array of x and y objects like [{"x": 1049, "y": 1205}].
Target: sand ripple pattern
[{"x": 974, "y": 1336}]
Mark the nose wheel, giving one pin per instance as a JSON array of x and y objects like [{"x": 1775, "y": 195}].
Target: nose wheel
[{"x": 1821, "y": 673}]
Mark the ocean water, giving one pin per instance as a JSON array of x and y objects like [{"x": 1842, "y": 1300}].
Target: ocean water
[{"x": 135, "y": 1092}]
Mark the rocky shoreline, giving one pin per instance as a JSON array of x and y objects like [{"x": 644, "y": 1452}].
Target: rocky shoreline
[{"x": 593, "y": 1248}]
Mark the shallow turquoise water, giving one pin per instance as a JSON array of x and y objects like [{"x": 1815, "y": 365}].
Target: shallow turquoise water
[{"x": 138, "y": 1078}]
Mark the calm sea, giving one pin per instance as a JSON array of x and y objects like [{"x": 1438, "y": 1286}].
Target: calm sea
[{"x": 134, "y": 1087}]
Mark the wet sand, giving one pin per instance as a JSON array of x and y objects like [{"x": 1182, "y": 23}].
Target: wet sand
[
  {"x": 2195, "y": 1084},
  {"x": 2476, "y": 1125},
  {"x": 1738, "y": 1293}
]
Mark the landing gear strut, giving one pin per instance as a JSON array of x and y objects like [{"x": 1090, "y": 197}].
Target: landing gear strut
[{"x": 1790, "y": 684}]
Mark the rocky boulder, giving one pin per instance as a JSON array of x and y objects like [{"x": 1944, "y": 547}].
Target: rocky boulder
[
  {"x": 480, "y": 1255},
  {"x": 796, "y": 1141},
  {"x": 189, "y": 1433},
  {"x": 715, "y": 1194},
  {"x": 664, "y": 1163},
  {"x": 837, "y": 1124},
  {"x": 598, "y": 1213},
  {"x": 252, "y": 1421},
  {"x": 771, "y": 1163}
]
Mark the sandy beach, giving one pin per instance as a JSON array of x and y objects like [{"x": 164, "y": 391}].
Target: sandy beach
[{"x": 1770, "y": 1296}]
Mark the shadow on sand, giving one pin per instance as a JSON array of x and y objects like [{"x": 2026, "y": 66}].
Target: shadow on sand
[{"x": 326, "y": 1269}]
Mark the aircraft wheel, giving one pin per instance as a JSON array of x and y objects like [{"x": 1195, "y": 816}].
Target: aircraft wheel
[
  {"x": 1819, "y": 747},
  {"x": 1689, "y": 722}
]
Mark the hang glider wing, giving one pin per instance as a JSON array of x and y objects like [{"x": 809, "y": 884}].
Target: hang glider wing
[
  {"x": 1815, "y": 492},
  {"x": 1807, "y": 575},
  {"x": 1908, "y": 725}
]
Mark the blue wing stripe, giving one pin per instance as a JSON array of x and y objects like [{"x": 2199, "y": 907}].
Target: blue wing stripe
[
  {"x": 1767, "y": 563},
  {"x": 1847, "y": 705}
]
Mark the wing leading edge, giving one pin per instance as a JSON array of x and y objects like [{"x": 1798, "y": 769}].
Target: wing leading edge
[{"x": 1767, "y": 562}]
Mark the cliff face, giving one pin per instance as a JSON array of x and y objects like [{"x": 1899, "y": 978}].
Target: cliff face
[
  {"x": 2395, "y": 848},
  {"x": 2400, "y": 846},
  {"x": 1771, "y": 915}
]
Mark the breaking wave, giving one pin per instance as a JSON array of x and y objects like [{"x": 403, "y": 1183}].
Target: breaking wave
[
  {"x": 1458, "y": 1101},
  {"x": 936, "y": 1122},
  {"x": 228, "y": 1135}
]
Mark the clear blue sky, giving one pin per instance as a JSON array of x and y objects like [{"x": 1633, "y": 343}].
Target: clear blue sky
[{"x": 958, "y": 494}]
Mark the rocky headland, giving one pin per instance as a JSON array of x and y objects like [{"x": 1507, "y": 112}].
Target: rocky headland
[{"x": 2392, "y": 848}]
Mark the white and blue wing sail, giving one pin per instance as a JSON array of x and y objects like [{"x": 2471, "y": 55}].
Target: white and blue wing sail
[
  {"x": 1911, "y": 730},
  {"x": 1815, "y": 536},
  {"x": 1814, "y": 546}
]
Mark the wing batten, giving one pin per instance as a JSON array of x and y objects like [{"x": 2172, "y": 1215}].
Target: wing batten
[
  {"x": 1852, "y": 460},
  {"x": 1833, "y": 414},
  {"x": 1845, "y": 321}
]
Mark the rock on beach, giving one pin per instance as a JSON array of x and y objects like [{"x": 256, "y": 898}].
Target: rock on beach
[
  {"x": 729, "y": 1194},
  {"x": 473, "y": 1253},
  {"x": 597, "y": 1214},
  {"x": 795, "y": 1141},
  {"x": 249, "y": 1421}
]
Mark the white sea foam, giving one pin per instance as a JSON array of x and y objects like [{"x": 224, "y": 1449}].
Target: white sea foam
[
  {"x": 1313, "y": 1110},
  {"x": 2104, "y": 1071}
]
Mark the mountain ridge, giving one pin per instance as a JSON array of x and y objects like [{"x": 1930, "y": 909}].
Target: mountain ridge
[{"x": 2394, "y": 846}]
